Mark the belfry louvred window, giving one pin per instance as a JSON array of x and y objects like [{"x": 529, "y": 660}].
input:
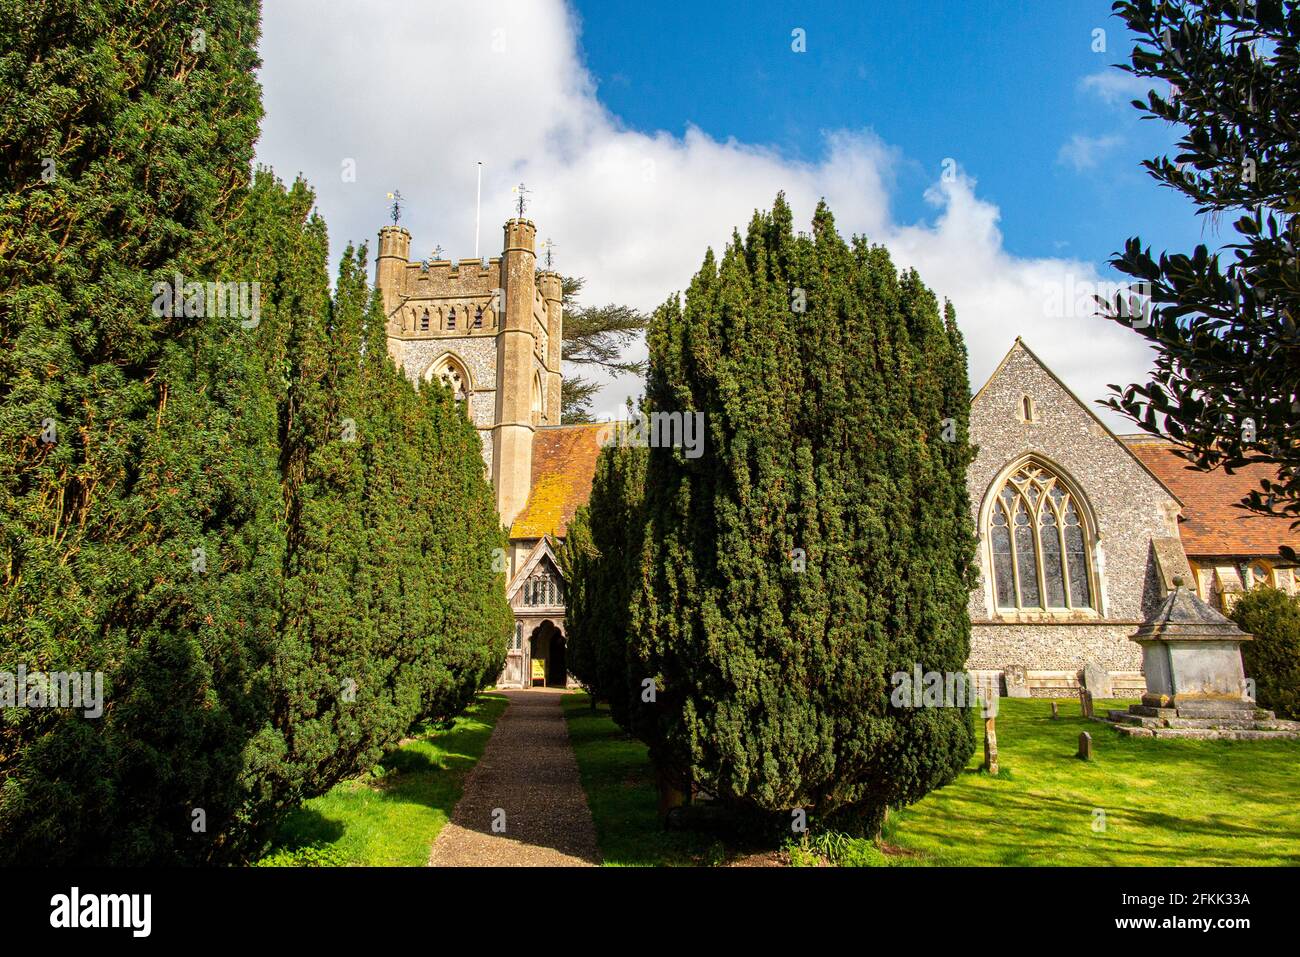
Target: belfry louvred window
[
  {"x": 1039, "y": 544},
  {"x": 451, "y": 318}
]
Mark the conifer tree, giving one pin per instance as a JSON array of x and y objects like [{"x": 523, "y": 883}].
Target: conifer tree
[
  {"x": 134, "y": 481},
  {"x": 820, "y": 543},
  {"x": 600, "y": 559},
  {"x": 393, "y": 609},
  {"x": 243, "y": 521}
]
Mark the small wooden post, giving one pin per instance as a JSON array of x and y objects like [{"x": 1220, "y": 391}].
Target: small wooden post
[
  {"x": 1056, "y": 711},
  {"x": 1085, "y": 746},
  {"x": 991, "y": 745},
  {"x": 670, "y": 795}
]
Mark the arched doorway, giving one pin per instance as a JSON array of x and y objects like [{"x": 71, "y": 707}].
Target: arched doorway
[
  {"x": 548, "y": 664},
  {"x": 557, "y": 672}
]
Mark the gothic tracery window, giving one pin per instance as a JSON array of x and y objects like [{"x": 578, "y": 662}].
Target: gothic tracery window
[{"x": 1039, "y": 544}]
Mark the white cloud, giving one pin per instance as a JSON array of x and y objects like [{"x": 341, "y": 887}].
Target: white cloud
[
  {"x": 416, "y": 95},
  {"x": 1115, "y": 86},
  {"x": 1085, "y": 152}
]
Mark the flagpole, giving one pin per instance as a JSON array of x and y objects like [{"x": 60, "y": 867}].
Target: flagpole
[{"x": 478, "y": 209}]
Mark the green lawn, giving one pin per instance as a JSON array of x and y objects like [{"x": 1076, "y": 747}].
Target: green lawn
[
  {"x": 1164, "y": 802},
  {"x": 391, "y": 817},
  {"x": 1168, "y": 802}
]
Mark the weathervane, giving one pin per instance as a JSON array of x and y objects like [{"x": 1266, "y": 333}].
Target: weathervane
[
  {"x": 396, "y": 211},
  {"x": 522, "y": 202},
  {"x": 437, "y": 252},
  {"x": 549, "y": 246}
]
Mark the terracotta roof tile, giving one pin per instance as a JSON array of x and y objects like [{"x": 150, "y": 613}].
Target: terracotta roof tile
[
  {"x": 564, "y": 462},
  {"x": 1211, "y": 524}
]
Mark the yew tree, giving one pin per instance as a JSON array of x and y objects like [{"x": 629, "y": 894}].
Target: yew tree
[{"x": 822, "y": 540}]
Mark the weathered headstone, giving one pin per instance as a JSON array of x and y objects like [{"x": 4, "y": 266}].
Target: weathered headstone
[
  {"x": 1056, "y": 711},
  {"x": 1085, "y": 701},
  {"x": 1085, "y": 746},
  {"x": 990, "y": 745},
  {"x": 1097, "y": 680},
  {"x": 1017, "y": 680}
]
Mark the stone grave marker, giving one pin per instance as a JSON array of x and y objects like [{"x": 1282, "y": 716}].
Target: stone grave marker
[
  {"x": 1017, "y": 680},
  {"x": 1085, "y": 701},
  {"x": 991, "y": 745},
  {"x": 1085, "y": 746},
  {"x": 1097, "y": 680}
]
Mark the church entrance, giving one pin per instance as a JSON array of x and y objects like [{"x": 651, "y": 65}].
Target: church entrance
[
  {"x": 548, "y": 665},
  {"x": 557, "y": 675}
]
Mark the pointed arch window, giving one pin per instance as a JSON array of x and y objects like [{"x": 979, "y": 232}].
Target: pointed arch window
[
  {"x": 451, "y": 318},
  {"x": 1039, "y": 543},
  {"x": 478, "y": 318},
  {"x": 451, "y": 372},
  {"x": 424, "y": 321}
]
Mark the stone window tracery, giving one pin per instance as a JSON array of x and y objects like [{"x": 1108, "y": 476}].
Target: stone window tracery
[
  {"x": 451, "y": 372},
  {"x": 1039, "y": 544}
]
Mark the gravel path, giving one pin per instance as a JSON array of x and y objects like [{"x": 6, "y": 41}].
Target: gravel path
[{"x": 527, "y": 783}]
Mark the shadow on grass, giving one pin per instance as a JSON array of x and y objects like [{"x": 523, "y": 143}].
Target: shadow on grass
[
  {"x": 615, "y": 772},
  {"x": 391, "y": 815}
]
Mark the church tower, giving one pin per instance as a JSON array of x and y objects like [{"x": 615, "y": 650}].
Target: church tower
[{"x": 492, "y": 329}]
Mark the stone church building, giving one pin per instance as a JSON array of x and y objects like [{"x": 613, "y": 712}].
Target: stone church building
[
  {"x": 492, "y": 330},
  {"x": 1081, "y": 531}
]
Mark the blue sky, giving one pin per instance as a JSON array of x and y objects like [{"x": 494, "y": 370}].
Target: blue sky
[
  {"x": 647, "y": 132},
  {"x": 995, "y": 86}
]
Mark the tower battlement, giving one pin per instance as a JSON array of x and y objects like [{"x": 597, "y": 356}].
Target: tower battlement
[{"x": 492, "y": 329}]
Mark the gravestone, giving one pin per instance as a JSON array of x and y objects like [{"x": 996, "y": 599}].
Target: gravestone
[
  {"x": 1056, "y": 712},
  {"x": 1085, "y": 701},
  {"x": 990, "y": 745},
  {"x": 1085, "y": 746},
  {"x": 1017, "y": 680},
  {"x": 1097, "y": 680}
]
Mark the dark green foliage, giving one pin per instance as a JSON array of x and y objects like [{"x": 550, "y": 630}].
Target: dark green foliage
[
  {"x": 1227, "y": 376},
  {"x": 1273, "y": 658},
  {"x": 123, "y": 148},
  {"x": 600, "y": 559},
  {"x": 826, "y": 432},
  {"x": 272, "y": 604},
  {"x": 392, "y": 610}
]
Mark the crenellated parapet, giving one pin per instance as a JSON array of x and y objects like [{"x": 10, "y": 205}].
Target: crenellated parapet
[{"x": 492, "y": 330}]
